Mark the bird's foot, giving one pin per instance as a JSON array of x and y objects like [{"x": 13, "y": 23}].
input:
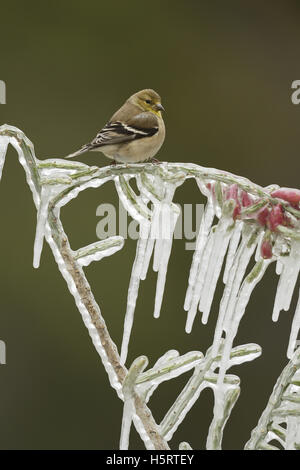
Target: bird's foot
[
  {"x": 155, "y": 161},
  {"x": 113, "y": 163}
]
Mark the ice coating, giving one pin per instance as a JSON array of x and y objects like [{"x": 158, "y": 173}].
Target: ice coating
[
  {"x": 134, "y": 287},
  {"x": 156, "y": 230},
  {"x": 203, "y": 233},
  {"x": 60, "y": 262},
  {"x": 98, "y": 250},
  {"x": 42, "y": 215},
  {"x": 294, "y": 330},
  {"x": 4, "y": 141},
  {"x": 169, "y": 213},
  {"x": 231, "y": 289},
  {"x": 287, "y": 281},
  {"x": 234, "y": 316},
  {"x": 128, "y": 410},
  {"x": 147, "y": 388},
  {"x": 234, "y": 242},
  {"x": 199, "y": 282},
  {"x": 221, "y": 239},
  {"x": 280, "y": 420},
  {"x": 204, "y": 377},
  {"x": 170, "y": 368}
]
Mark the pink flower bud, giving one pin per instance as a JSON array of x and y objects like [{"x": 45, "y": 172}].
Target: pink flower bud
[
  {"x": 236, "y": 211},
  {"x": 288, "y": 194},
  {"x": 262, "y": 216},
  {"x": 211, "y": 188},
  {"x": 232, "y": 192},
  {"x": 276, "y": 217},
  {"x": 246, "y": 199},
  {"x": 266, "y": 249}
]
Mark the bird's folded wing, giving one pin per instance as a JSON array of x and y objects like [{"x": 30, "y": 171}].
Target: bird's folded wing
[{"x": 140, "y": 126}]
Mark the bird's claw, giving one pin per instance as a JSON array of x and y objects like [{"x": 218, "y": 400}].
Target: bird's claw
[{"x": 155, "y": 161}]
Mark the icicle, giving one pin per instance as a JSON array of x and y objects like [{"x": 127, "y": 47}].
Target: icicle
[
  {"x": 134, "y": 287},
  {"x": 279, "y": 267},
  {"x": 128, "y": 410},
  {"x": 243, "y": 297},
  {"x": 4, "y": 141},
  {"x": 287, "y": 280},
  {"x": 159, "y": 241},
  {"x": 136, "y": 368},
  {"x": 169, "y": 218},
  {"x": 42, "y": 214},
  {"x": 206, "y": 222},
  {"x": 153, "y": 190},
  {"x": 131, "y": 202},
  {"x": 221, "y": 239},
  {"x": 136, "y": 206},
  {"x": 236, "y": 274},
  {"x": 202, "y": 269},
  {"x": 234, "y": 241},
  {"x": 151, "y": 186},
  {"x": 258, "y": 248},
  {"x": 235, "y": 310},
  {"x": 294, "y": 331},
  {"x": 163, "y": 223},
  {"x": 148, "y": 254},
  {"x": 151, "y": 240},
  {"x": 208, "y": 272}
]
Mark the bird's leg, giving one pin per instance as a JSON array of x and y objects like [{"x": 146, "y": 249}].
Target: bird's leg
[
  {"x": 155, "y": 161},
  {"x": 113, "y": 163}
]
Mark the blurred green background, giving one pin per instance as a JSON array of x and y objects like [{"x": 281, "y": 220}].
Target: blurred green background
[{"x": 224, "y": 71}]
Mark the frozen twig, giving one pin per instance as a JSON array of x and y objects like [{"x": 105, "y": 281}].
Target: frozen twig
[
  {"x": 250, "y": 222},
  {"x": 80, "y": 289},
  {"x": 128, "y": 392},
  {"x": 259, "y": 435}
]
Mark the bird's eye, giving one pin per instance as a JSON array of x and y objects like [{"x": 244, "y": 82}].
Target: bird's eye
[{"x": 148, "y": 101}]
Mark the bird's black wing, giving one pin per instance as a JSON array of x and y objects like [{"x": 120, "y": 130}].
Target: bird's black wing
[{"x": 141, "y": 126}]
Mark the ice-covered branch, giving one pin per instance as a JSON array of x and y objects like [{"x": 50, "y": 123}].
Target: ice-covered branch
[
  {"x": 98, "y": 250},
  {"x": 128, "y": 392},
  {"x": 244, "y": 229},
  {"x": 202, "y": 378},
  {"x": 77, "y": 283},
  {"x": 283, "y": 408}
]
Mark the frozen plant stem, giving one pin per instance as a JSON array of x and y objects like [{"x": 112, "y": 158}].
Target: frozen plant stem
[
  {"x": 260, "y": 432},
  {"x": 249, "y": 219},
  {"x": 84, "y": 298}
]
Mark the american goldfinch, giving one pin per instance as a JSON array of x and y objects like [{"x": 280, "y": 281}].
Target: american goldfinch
[{"x": 134, "y": 133}]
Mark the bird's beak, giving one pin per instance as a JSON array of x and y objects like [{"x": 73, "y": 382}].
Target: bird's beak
[{"x": 159, "y": 107}]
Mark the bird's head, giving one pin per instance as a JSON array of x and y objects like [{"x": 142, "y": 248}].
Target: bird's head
[{"x": 147, "y": 100}]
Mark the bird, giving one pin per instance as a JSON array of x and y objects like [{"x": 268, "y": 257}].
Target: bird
[{"x": 134, "y": 134}]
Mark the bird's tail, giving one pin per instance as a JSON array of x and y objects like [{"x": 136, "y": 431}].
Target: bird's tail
[{"x": 83, "y": 149}]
